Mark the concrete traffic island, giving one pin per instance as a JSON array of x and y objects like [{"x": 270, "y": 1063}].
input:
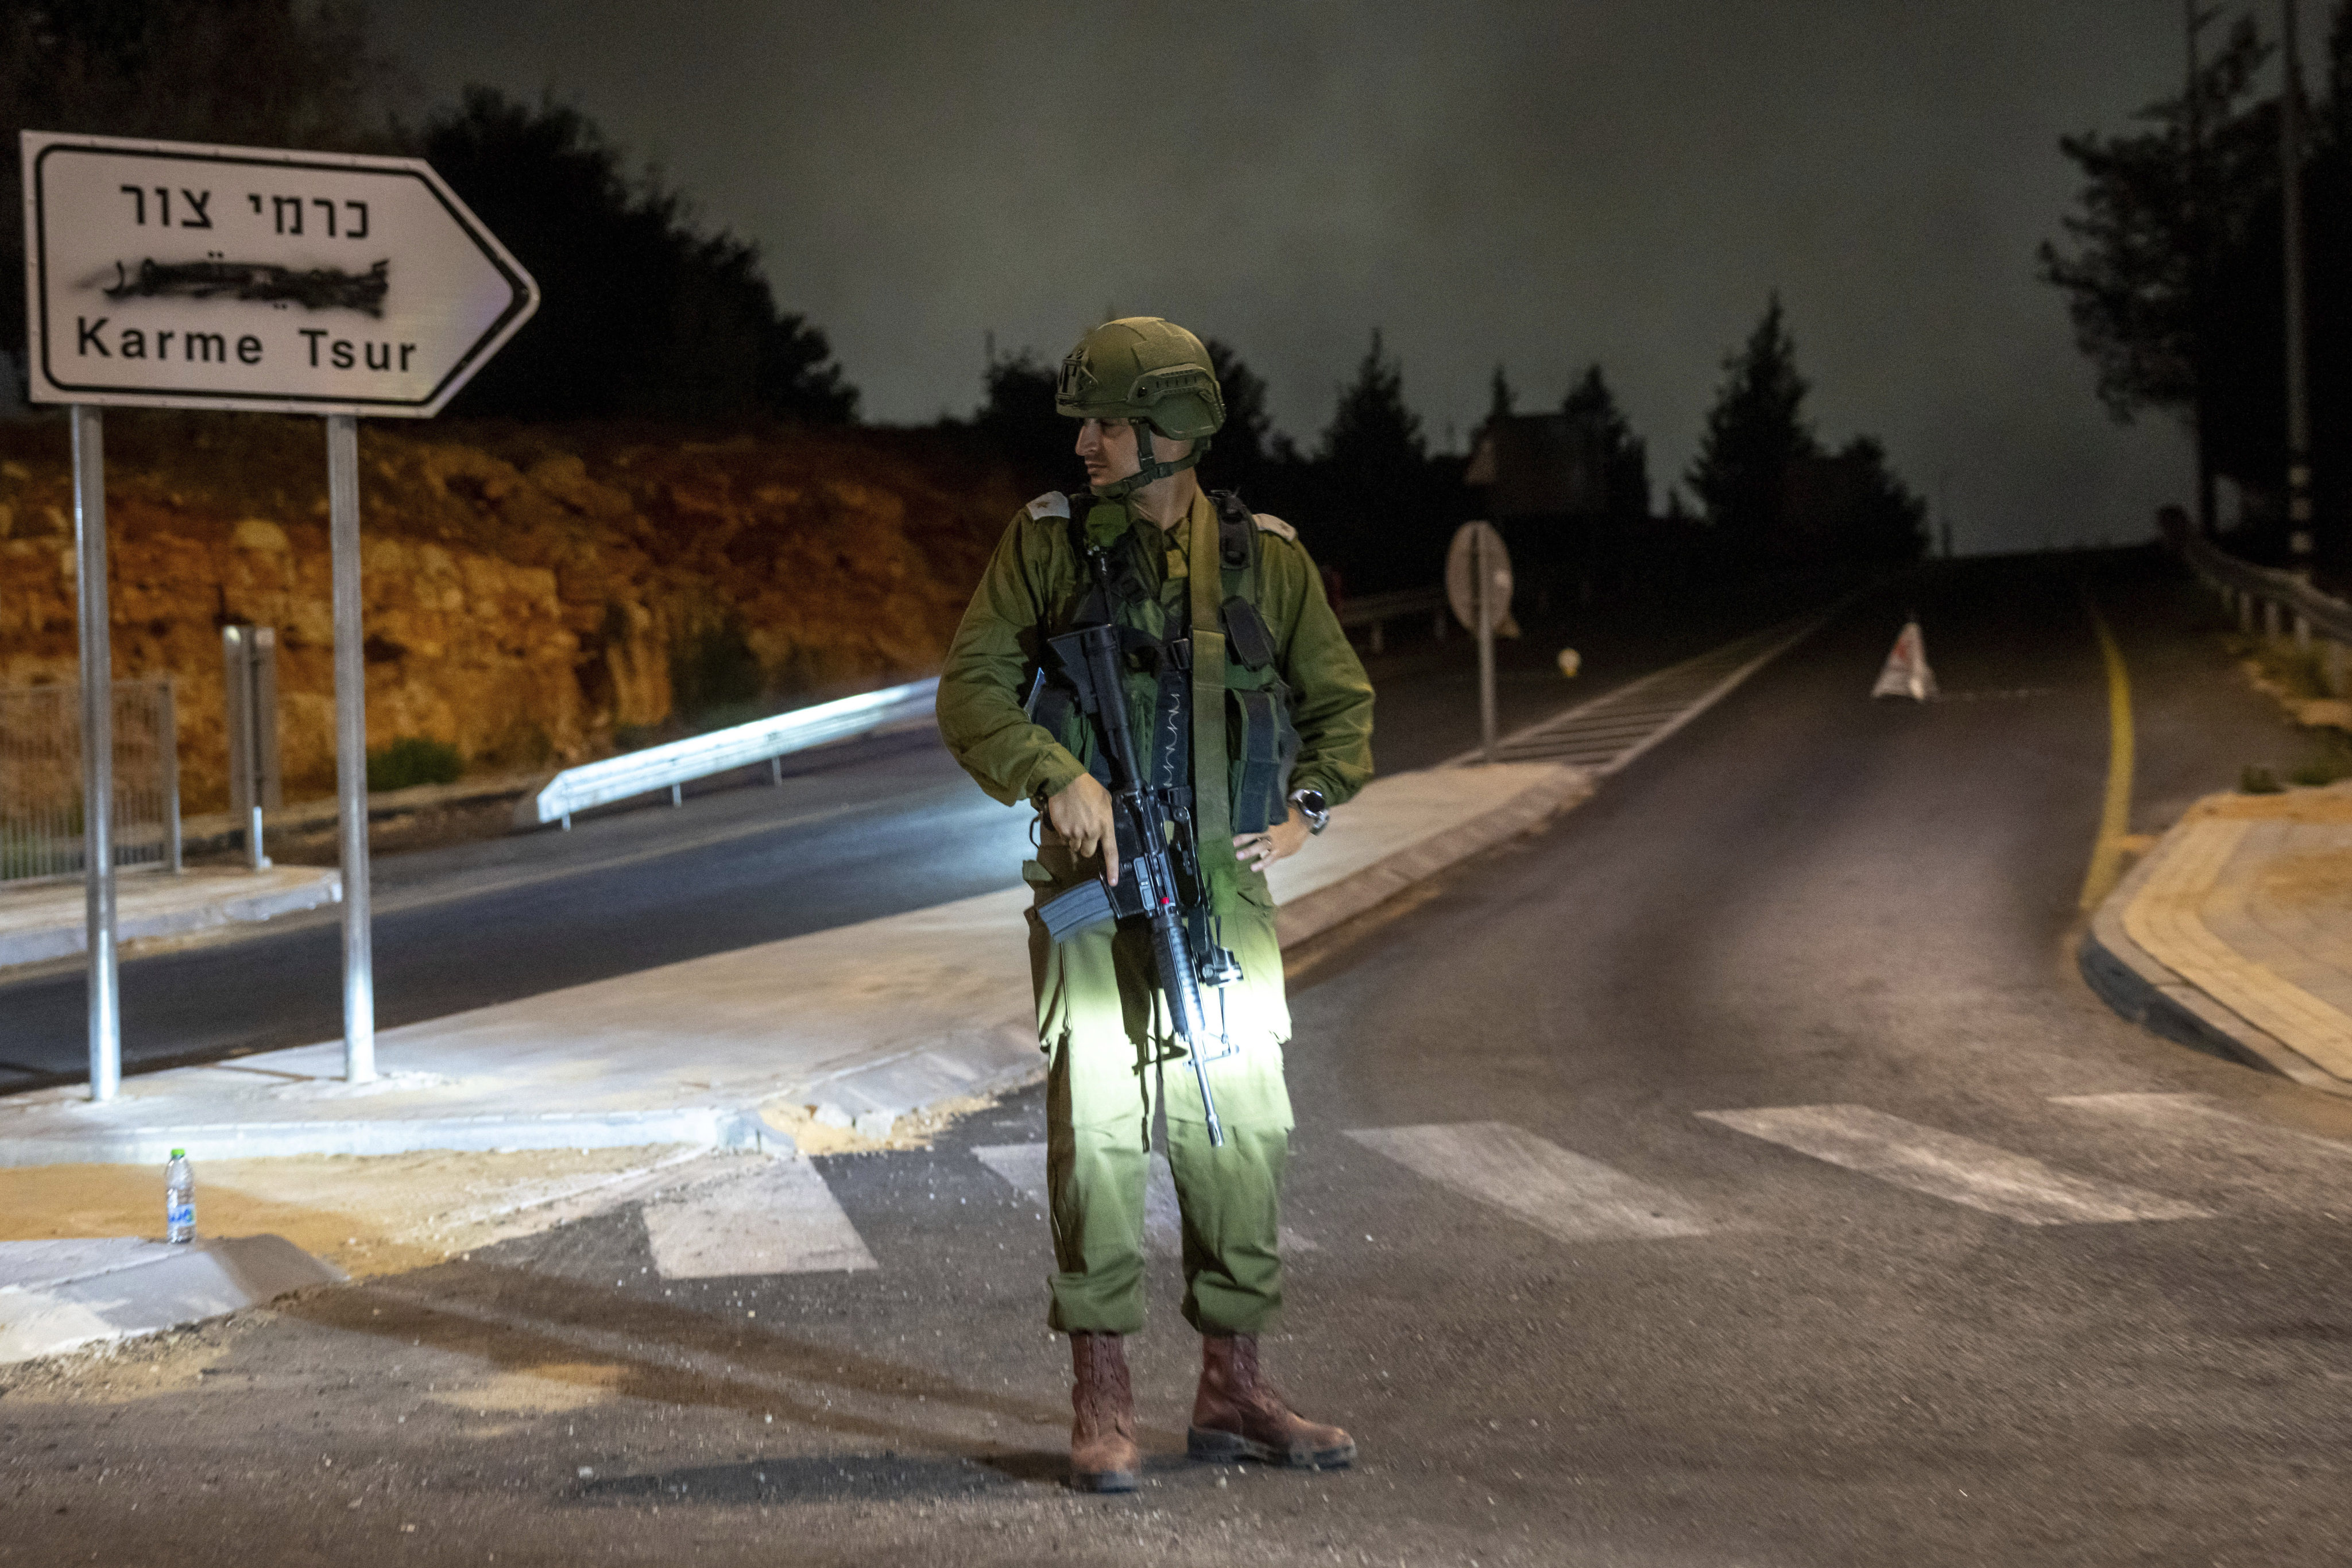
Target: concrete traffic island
[
  {"x": 863, "y": 1024},
  {"x": 63, "y": 1295},
  {"x": 2233, "y": 935},
  {"x": 45, "y": 922}
]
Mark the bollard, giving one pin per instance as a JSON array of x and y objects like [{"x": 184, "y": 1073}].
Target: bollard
[
  {"x": 2301, "y": 632},
  {"x": 2331, "y": 666},
  {"x": 2245, "y": 613}
]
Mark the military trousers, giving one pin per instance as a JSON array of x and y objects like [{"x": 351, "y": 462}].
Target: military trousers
[{"x": 1103, "y": 1025}]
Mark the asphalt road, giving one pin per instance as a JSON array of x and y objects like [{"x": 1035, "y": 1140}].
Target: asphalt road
[
  {"x": 1660, "y": 1332},
  {"x": 855, "y": 832}
]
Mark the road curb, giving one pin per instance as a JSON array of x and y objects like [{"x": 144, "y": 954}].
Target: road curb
[
  {"x": 2143, "y": 989},
  {"x": 292, "y": 894},
  {"x": 65, "y": 1295},
  {"x": 711, "y": 1126}
]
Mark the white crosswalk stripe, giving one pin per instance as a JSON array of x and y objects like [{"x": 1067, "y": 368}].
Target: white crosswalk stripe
[
  {"x": 1612, "y": 729},
  {"x": 1561, "y": 1194},
  {"x": 1951, "y": 1167},
  {"x": 2194, "y": 1115},
  {"x": 777, "y": 1217},
  {"x": 1023, "y": 1166}
]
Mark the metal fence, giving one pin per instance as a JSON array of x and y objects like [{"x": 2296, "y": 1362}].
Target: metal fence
[{"x": 40, "y": 780}]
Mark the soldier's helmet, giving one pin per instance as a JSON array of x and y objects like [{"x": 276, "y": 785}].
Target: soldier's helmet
[
  {"x": 1152, "y": 373},
  {"x": 1144, "y": 369}
]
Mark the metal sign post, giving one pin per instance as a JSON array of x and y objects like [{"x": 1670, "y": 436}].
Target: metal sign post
[
  {"x": 97, "y": 749},
  {"x": 1478, "y": 587},
  {"x": 1485, "y": 647},
  {"x": 351, "y": 747},
  {"x": 172, "y": 275}
]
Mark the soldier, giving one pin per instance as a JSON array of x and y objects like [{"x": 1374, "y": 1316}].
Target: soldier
[{"x": 1236, "y": 657}]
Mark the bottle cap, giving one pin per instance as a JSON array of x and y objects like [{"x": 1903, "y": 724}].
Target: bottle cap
[{"x": 179, "y": 1154}]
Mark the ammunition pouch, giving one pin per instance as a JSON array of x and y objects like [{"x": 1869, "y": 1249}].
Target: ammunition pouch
[
  {"x": 1261, "y": 746},
  {"x": 1262, "y": 741}
]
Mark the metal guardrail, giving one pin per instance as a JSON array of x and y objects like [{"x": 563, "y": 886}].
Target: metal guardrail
[
  {"x": 1376, "y": 610},
  {"x": 680, "y": 762},
  {"x": 2268, "y": 594}
]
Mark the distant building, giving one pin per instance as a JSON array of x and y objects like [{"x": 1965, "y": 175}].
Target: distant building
[
  {"x": 1567, "y": 497},
  {"x": 1540, "y": 466}
]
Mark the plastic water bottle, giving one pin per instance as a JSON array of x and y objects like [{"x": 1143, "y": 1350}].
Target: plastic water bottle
[{"x": 179, "y": 1198}]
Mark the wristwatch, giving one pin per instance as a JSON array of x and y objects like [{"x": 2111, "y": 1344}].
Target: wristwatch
[{"x": 1311, "y": 807}]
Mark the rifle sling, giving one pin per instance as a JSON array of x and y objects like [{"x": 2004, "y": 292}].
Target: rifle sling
[{"x": 1211, "y": 800}]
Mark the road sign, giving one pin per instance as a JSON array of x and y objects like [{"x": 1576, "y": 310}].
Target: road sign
[
  {"x": 172, "y": 275},
  {"x": 1471, "y": 540},
  {"x": 1478, "y": 586},
  {"x": 1906, "y": 673}
]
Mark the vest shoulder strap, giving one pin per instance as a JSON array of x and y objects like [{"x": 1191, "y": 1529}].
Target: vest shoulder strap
[{"x": 1236, "y": 532}]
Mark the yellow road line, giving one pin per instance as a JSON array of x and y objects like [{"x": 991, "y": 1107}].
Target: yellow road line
[{"x": 2115, "y": 816}]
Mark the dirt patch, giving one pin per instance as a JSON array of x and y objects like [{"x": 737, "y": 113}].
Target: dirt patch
[
  {"x": 122, "y": 1371},
  {"x": 916, "y": 1131},
  {"x": 373, "y": 1216},
  {"x": 2326, "y": 807}
]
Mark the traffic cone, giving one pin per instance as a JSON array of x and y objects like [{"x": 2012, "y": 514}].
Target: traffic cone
[{"x": 1905, "y": 673}]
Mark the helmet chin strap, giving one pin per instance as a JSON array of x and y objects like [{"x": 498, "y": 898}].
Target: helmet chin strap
[{"x": 1152, "y": 469}]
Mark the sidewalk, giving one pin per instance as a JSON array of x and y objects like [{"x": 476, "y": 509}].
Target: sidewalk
[
  {"x": 46, "y": 921},
  {"x": 863, "y": 1024},
  {"x": 2234, "y": 935}
]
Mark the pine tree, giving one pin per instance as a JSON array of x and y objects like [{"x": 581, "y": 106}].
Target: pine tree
[
  {"x": 1756, "y": 435},
  {"x": 2133, "y": 265},
  {"x": 1501, "y": 399},
  {"x": 645, "y": 311},
  {"x": 1248, "y": 440},
  {"x": 1017, "y": 418},
  {"x": 1376, "y": 481},
  {"x": 1621, "y": 457},
  {"x": 1372, "y": 430}
]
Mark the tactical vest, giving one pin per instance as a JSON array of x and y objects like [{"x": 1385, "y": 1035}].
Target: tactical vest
[{"x": 1260, "y": 741}]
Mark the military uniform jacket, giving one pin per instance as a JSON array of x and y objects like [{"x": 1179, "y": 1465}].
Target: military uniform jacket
[{"x": 1033, "y": 589}]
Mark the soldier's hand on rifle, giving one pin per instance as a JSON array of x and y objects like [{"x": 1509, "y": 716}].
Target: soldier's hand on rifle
[
  {"x": 1081, "y": 813},
  {"x": 1285, "y": 839}
]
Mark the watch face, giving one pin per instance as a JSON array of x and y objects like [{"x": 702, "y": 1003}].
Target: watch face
[{"x": 1312, "y": 800}]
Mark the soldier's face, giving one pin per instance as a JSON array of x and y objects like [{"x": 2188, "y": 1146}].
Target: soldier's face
[{"x": 1107, "y": 446}]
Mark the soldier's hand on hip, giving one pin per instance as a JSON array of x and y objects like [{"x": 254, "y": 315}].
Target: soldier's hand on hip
[
  {"x": 1081, "y": 813},
  {"x": 1285, "y": 839}
]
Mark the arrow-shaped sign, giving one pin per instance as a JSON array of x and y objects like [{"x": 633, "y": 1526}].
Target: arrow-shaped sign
[{"x": 172, "y": 275}]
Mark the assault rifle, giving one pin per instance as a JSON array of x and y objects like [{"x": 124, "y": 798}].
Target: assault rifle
[{"x": 1157, "y": 855}]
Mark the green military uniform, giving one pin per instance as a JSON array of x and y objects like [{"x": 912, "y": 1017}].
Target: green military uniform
[{"x": 1101, "y": 1019}]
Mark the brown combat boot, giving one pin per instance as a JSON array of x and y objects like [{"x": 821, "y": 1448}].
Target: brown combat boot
[
  {"x": 1238, "y": 1414},
  {"x": 1103, "y": 1454}
]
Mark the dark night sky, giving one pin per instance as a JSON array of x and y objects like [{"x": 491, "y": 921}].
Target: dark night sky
[{"x": 1539, "y": 184}]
